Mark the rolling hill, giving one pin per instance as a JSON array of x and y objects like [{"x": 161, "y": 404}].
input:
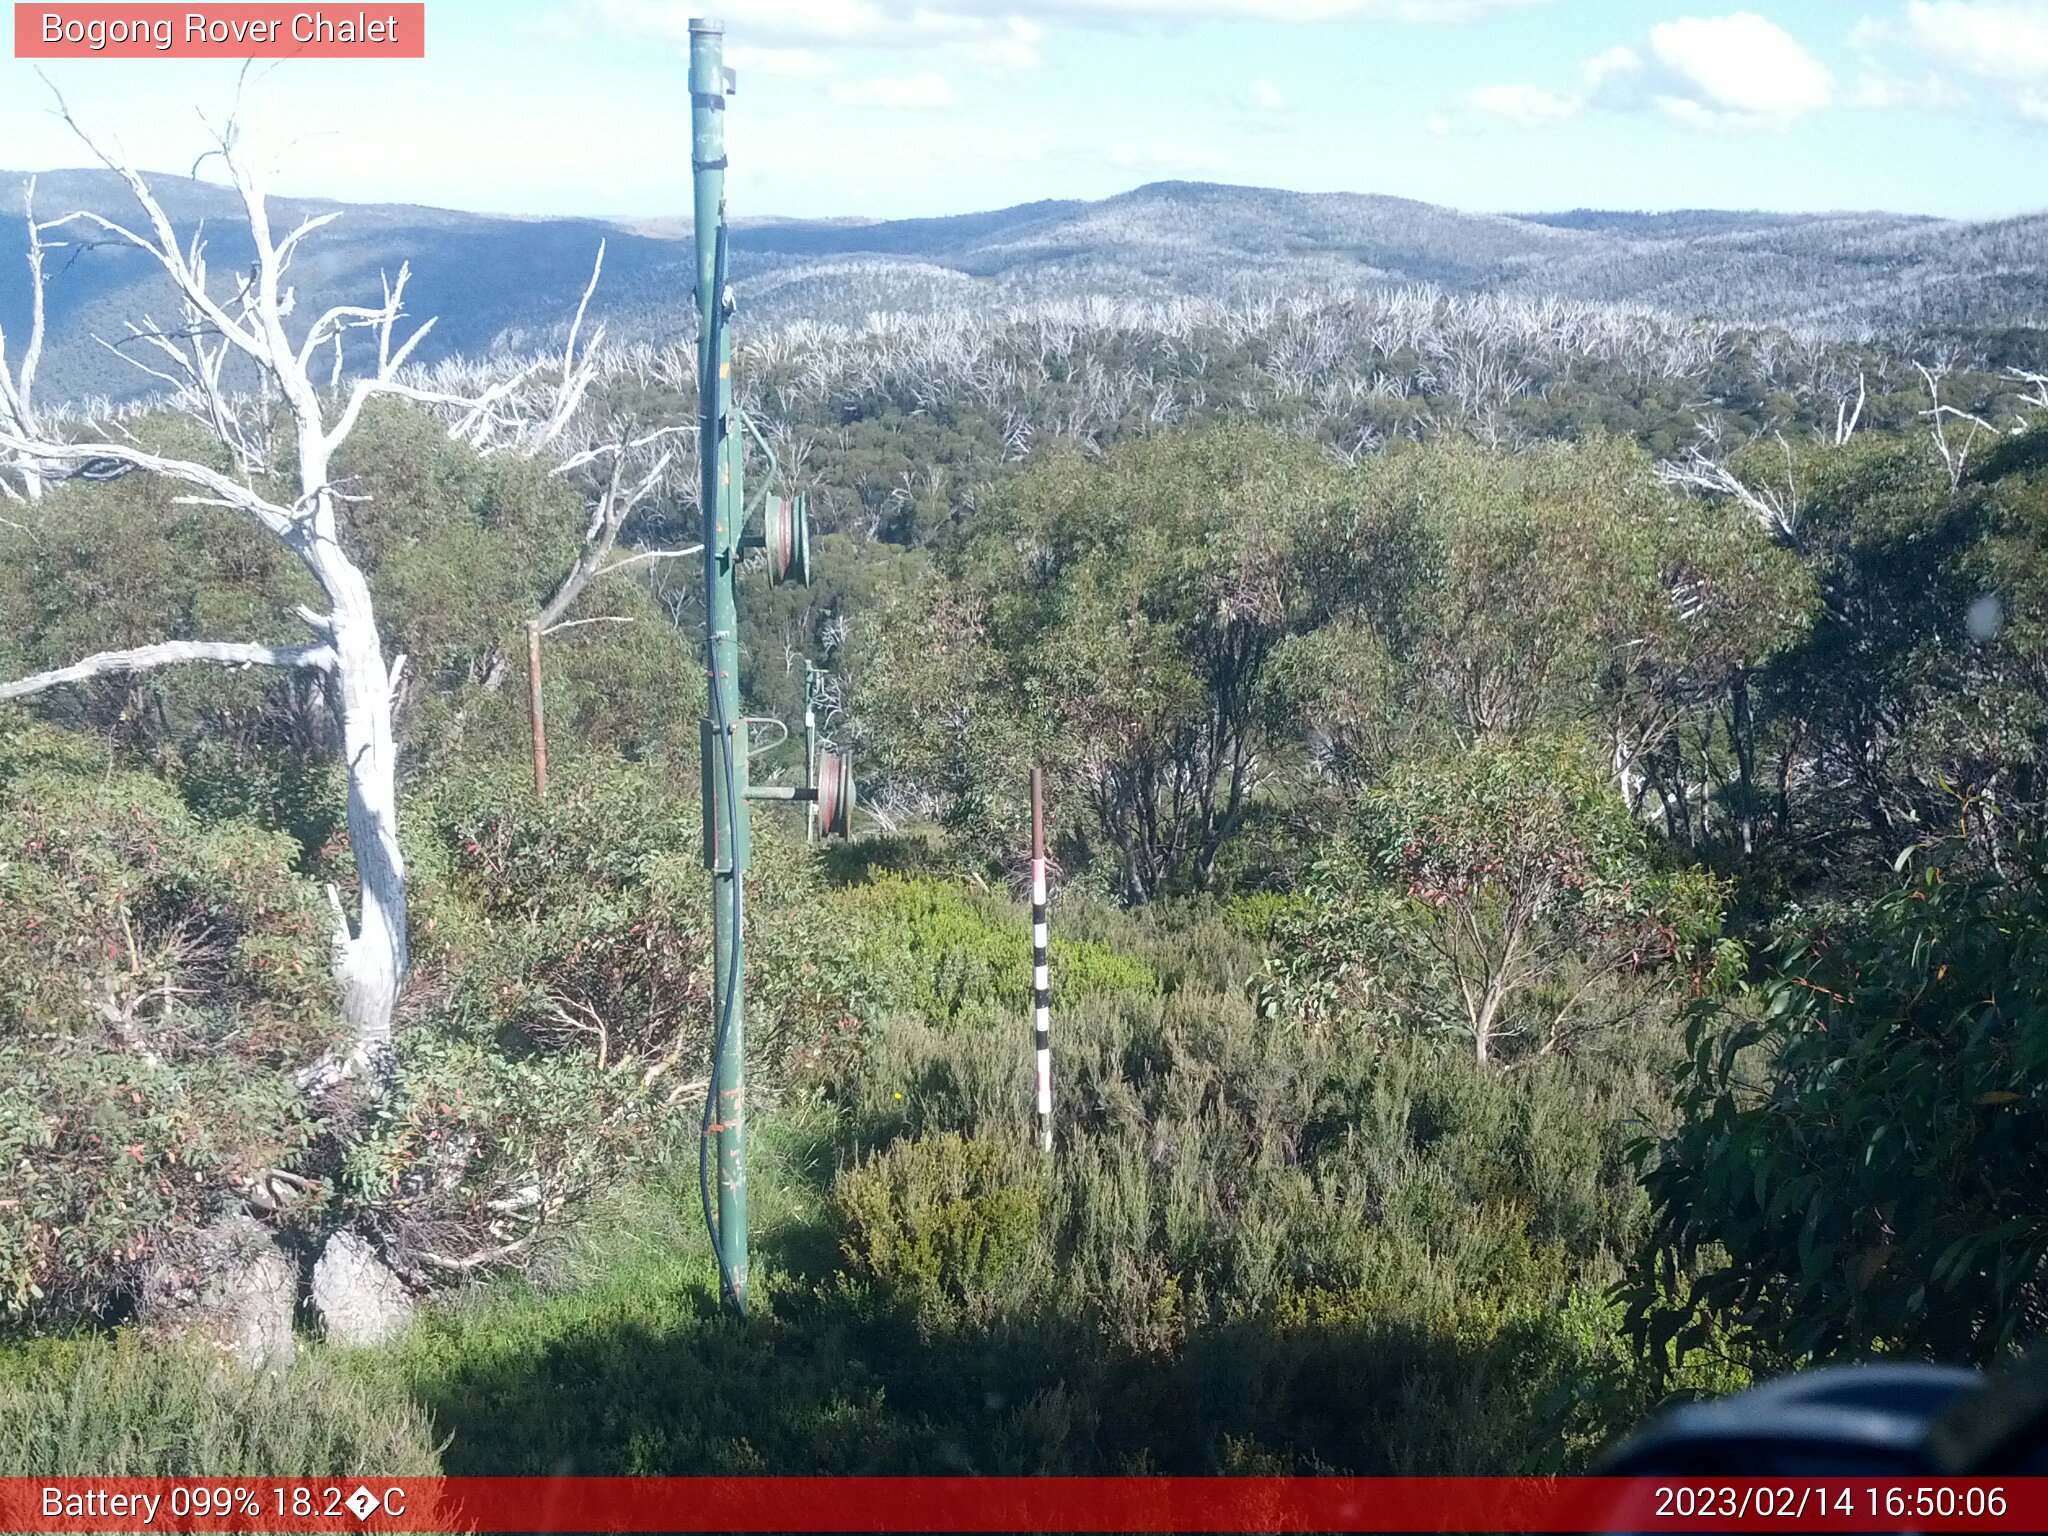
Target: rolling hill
[{"x": 500, "y": 282}]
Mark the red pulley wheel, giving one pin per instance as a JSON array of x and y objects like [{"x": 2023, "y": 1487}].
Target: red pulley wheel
[
  {"x": 835, "y": 795},
  {"x": 787, "y": 538}
]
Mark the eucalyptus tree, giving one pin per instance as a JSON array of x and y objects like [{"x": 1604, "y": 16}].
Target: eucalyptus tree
[
  {"x": 1518, "y": 887},
  {"x": 1564, "y": 586},
  {"x": 1127, "y": 610}
]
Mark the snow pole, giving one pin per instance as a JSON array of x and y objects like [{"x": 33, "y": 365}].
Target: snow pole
[{"x": 1041, "y": 969}]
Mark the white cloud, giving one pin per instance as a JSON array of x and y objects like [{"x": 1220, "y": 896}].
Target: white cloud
[
  {"x": 1439, "y": 125},
  {"x": 1737, "y": 71},
  {"x": 1989, "y": 39},
  {"x": 1882, "y": 90},
  {"x": 1014, "y": 47},
  {"x": 802, "y": 37},
  {"x": 1529, "y": 105},
  {"x": 784, "y": 63},
  {"x": 1001, "y": 33},
  {"x": 1265, "y": 96},
  {"x": 1949, "y": 53},
  {"x": 1304, "y": 11},
  {"x": 1618, "y": 62},
  {"x": 906, "y": 92}
]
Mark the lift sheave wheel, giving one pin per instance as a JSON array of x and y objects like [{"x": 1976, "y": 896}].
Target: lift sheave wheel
[
  {"x": 835, "y": 794},
  {"x": 787, "y": 538}
]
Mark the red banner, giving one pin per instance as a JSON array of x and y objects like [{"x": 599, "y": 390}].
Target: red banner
[
  {"x": 376, "y": 31},
  {"x": 1050, "y": 1504}
]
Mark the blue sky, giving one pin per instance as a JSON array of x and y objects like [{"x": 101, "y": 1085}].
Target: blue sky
[{"x": 900, "y": 107}]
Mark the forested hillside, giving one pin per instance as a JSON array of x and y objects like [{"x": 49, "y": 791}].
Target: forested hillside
[
  {"x": 1546, "y": 804},
  {"x": 506, "y": 285}
]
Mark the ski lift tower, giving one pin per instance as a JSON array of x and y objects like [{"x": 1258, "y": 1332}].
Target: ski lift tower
[{"x": 722, "y": 435}]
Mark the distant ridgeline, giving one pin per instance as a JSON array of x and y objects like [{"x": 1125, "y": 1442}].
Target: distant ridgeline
[{"x": 506, "y": 284}]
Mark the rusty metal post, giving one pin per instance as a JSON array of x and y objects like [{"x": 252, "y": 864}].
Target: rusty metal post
[{"x": 540, "y": 724}]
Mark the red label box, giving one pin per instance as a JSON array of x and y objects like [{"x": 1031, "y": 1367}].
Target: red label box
[{"x": 238, "y": 31}]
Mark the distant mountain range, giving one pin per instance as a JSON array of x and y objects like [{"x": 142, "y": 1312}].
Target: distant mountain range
[{"x": 511, "y": 283}]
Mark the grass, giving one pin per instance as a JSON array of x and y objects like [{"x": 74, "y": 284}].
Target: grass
[{"x": 115, "y": 1407}]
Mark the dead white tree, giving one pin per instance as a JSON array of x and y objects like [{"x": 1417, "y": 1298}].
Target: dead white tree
[
  {"x": 1955, "y": 455},
  {"x": 18, "y": 381},
  {"x": 625, "y": 483},
  {"x": 578, "y": 374},
  {"x": 244, "y": 321},
  {"x": 1846, "y": 416},
  {"x": 1701, "y": 472}
]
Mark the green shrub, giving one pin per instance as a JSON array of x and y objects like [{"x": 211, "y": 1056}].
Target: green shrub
[
  {"x": 1505, "y": 894},
  {"x": 559, "y": 1017},
  {"x": 1860, "y": 1164},
  {"x": 160, "y": 979},
  {"x": 1198, "y": 944},
  {"x": 944, "y": 1220},
  {"x": 934, "y": 951}
]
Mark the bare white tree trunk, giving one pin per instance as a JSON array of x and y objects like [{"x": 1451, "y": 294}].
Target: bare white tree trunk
[
  {"x": 372, "y": 963},
  {"x": 248, "y": 326},
  {"x": 17, "y": 383},
  {"x": 612, "y": 501},
  {"x": 1777, "y": 513},
  {"x": 1955, "y": 456}
]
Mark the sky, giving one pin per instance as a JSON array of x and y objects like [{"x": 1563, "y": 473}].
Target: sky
[{"x": 897, "y": 108}]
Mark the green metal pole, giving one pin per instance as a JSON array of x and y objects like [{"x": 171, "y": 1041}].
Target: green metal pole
[{"x": 723, "y": 735}]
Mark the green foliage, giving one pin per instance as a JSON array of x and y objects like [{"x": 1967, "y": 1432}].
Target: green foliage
[
  {"x": 160, "y": 979},
  {"x": 119, "y": 1408},
  {"x": 1506, "y": 889},
  {"x": 1116, "y": 617},
  {"x": 460, "y": 549},
  {"x": 579, "y": 916},
  {"x": 1254, "y": 1249},
  {"x": 622, "y": 1365},
  {"x": 1879, "y": 683},
  {"x": 932, "y": 720},
  {"x": 460, "y": 552},
  {"x": 1258, "y": 1247},
  {"x": 932, "y": 950},
  {"x": 1252, "y": 1230},
  {"x": 1338, "y": 683},
  {"x": 940, "y": 1220},
  {"x": 1168, "y": 624},
  {"x": 558, "y": 1022},
  {"x": 1859, "y": 1166},
  {"x": 104, "y": 566},
  {"x": 1545, "y": 585},
  {"x": 1451, "y": 739}
]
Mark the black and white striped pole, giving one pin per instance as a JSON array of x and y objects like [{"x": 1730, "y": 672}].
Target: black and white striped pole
[{"x": 1041, "y": 970}]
